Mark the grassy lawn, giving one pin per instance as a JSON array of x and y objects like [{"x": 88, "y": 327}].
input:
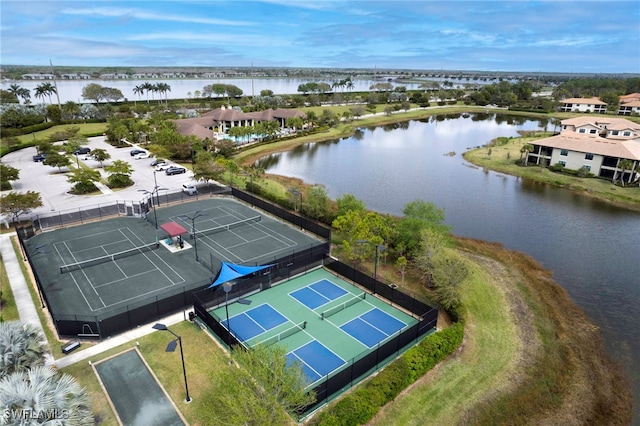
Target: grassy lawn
[
  {"x": 204, "y": 362},
  {"x": 87, "y": 129},
  {"x": 8, "y": 308},
  {"x": 502, "y": 157},
  {"x": 489, "y": 355}
]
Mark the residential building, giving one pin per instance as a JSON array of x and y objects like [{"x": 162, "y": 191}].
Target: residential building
[
  {"x": 629, "y": 108},
  {"x": 631, "y": 97},
  {"x": 599, "y": 144},
  {"x": 37, "y": 76},
  {"x": 583, "y": 105}
]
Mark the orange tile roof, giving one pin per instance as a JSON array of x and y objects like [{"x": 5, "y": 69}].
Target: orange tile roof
[{"x": 589, "y": 101}]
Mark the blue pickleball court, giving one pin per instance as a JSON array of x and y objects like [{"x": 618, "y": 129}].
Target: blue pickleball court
[
  {"x": 373, "y": 327},
  {"x": 254, "y": 322},
  {"x": 316, "y": 359},
  {"x": 318, "y": 294}
]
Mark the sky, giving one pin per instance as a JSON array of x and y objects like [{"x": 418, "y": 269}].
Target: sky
[{"x": 522, "y": 36}]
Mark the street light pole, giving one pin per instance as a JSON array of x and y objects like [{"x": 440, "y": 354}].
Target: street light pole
[
  {"x": 378, "y": 247},
  {"x": 155, "y": 190},
  {"x": 172, "y": 347},
  {"x": 193, "y": 218}
]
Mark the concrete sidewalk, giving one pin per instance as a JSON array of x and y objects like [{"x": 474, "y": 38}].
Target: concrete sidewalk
[
  {"x": 29, "y": 314},
  {"x": 112, "y": 342}
]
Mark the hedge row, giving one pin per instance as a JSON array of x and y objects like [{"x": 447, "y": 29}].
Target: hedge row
[
  {"x": 9, "y": 132},
  {"x": 363, "y": 403}
]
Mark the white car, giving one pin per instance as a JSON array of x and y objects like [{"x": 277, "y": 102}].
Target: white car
[
  {"x": 162, "y": 167},
  {"x": 141, "y": 155},
  {"x": 189, "y": 189}
]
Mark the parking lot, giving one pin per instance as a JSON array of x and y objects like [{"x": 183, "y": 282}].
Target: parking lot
[{"x": 54, "y": 188}]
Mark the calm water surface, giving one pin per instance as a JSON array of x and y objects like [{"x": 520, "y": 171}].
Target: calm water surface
[{"x": 593, "y": 249}]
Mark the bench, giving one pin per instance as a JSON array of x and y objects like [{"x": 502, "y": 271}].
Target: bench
[{"x": 70, "y": 346}]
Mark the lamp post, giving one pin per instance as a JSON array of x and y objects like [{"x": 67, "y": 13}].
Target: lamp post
[
  {"x": 155, "y": 190},
  {"x": 172, "y": 347},
  {"x": 193, "y": 218},
  {"x": 379, "y": 248}
]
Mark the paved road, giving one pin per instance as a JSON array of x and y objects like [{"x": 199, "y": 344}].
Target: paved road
[{"x": 53, "y": 185}]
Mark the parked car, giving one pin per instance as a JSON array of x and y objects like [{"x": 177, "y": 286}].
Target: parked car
[
  {"x": 39, "y": 157},
  {"x": 141, "y": 155},
  {"x": 175, "y": 170},
  {"x": 157, "y": 162},
  {"x": 81, "y": 151},
  {"x": 189, "y": 189},
  {"x": 136, "y": 151},
  {"x": 163, "y": 166}
]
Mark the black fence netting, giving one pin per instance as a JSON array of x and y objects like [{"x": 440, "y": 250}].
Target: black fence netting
[{"x": 357, "y": 368}]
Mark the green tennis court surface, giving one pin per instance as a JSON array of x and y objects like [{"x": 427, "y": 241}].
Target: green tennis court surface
[
  {"x": 324, "y": 322},
  {"x": 136, "y": 395}
]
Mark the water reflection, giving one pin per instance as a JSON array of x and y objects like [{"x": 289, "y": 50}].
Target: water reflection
[{"x": 591, "y": 247}]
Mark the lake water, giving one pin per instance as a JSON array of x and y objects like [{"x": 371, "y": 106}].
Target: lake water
[
  {"x": 592, "y": 248},
  {"x": 71, "y": 90}
]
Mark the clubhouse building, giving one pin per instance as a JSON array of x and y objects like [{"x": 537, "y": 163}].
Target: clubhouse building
[
  {"x": 599, "y": 144},
  {"x": 215, "y": 124}
]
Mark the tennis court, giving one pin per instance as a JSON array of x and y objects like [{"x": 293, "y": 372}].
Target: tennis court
[
  {"x": 324, "y": 322},
  {"x": 121, "y": 267}
]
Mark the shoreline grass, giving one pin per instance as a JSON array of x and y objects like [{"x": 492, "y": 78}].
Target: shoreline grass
[{"x": 500, "y": 156}]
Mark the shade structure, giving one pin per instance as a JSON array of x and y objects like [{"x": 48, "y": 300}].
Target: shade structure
[
  {"x": 230, "y": 271},
  {"x": 173, "y": 229}
]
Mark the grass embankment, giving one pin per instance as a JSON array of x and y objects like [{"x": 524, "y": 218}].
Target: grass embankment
[
  {"x": 8, "y": 308},
  {"x": 500, "y": 155},
  {"x": 530, "y": 356}
]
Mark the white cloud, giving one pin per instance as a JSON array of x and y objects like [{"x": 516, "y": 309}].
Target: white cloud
[{"x": 144, "y": 15}]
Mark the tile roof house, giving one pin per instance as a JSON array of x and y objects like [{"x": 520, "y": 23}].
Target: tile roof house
[
  {"x": 583, "y": 105},
  {"x": 220, "y": 120},
  {"x": 628, "y": 108},
  {"x": 597, "y": 144},
  {"x": 631, "y": 97}
]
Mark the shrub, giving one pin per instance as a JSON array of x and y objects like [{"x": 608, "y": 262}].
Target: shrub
[
  {"x": 556, "y": 167},
  {"x": 360, "y": 406}
]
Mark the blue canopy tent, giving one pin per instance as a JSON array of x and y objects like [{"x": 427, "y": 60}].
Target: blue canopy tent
[{"x": 230, "y": 272}]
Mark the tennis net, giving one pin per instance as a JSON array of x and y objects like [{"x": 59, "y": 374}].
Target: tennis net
[
  {"x": 108, "y": 258},
  {"x": 343, "y": 305},
  {"x": 283, "y": 335},
  {"x": 228, "y": 226}
]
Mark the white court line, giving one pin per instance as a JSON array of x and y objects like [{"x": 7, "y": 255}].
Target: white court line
[
  {"x": 154, "y": 264},
  {"x": 76, "y": 281},
  {"x": 381, "y": 331},
  {"x": 264, "y": 229},
  {"x": 126, "y": 277},
  {"x": 310, "y": 367}
]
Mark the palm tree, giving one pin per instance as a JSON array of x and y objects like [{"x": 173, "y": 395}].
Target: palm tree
[
  {"x": 162, "y": 88},
  {"x": 40, "y": 93},
  {"x": 41, "y": 391},
  {"x": 623, "y": 165},
  {"x": 138, "y": 90},
  {"x": 524, "y": 151},
  {"x": 147, "y": 87},
  {"x": 22, "y": 346},
  {"x": 47, "y": 88},
  {"x": 20, "y": 92},
  {"x": 70, "y": 110}
]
